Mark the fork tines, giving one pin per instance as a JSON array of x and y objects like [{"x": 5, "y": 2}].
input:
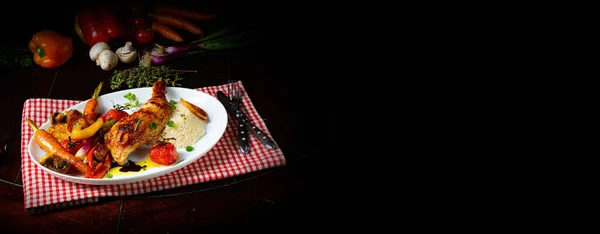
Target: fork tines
[{"x": 234, "y": 92}]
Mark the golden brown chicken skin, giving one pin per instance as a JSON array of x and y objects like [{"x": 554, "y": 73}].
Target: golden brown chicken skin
[{"x": 129, "y": 133}]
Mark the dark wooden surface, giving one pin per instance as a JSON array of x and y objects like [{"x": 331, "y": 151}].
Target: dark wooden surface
[{"x": 285, "y": 92}]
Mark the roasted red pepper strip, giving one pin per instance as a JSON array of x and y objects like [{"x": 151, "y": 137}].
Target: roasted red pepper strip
[
  {"x": 90, "y": 157},
  {"x": 113, "y": 26},
  {"x": 92, "y": 28},
  {"x": 100, "y": 170}
]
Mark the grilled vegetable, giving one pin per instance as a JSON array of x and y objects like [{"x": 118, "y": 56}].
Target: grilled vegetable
[
  {"x": 79, "y": 134},
  {"x": 164, "y": 153},
  {"x": 55, "y": 163},
  {"x": 90, "y": 111},
  {"x": 194, "y": 109},
  {"x": 50, "y": 145}
]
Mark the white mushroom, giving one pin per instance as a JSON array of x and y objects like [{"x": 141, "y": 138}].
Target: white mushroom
[
  {"x": 97, "y": 48},
  {"x": 107, "y": 60},
  {"x": 127, "y": 53}
]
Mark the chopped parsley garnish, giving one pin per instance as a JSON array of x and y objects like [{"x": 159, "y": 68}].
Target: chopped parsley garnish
[
  {"x": 108, "y": 175},
  {"x": 183, "y": 116},
  {"x": 171, "y": 123},
  {"x": 189, "y": 148},
  {"x": 153, "y": 125},
  {"x": 172, "y": 104}
]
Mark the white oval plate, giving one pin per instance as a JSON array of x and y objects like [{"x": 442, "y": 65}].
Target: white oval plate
[{"x": 215, "y": 127}]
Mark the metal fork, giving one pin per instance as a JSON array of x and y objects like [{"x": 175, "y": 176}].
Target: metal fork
[
  {"x": 235, "y": 95},
  {"x": 235, "y": 92}
]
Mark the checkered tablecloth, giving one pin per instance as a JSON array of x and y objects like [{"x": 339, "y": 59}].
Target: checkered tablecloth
[{"x": 44, "y": 192}]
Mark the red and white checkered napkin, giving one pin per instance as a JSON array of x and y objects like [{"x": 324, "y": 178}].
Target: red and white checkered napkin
[{"x": 45, "y": 192}]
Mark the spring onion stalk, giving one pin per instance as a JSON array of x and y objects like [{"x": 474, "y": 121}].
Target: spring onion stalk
[
  {"x": 224, "y": 46},
  {"x": 213, "y": 35},
  {"x": 180, "y": 48},
  {"x": 223, "y": 39}
]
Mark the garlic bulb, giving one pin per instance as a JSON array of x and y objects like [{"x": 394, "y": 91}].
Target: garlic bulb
[{"x": 127, "y": 53}]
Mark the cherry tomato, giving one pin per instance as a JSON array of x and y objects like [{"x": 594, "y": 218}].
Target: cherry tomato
[
  {"x": 144, "y": 36},
  {"x": 163, "y": 153},
  {"x": 141, "y": 22},
  {"x": 115, "y": 114}
]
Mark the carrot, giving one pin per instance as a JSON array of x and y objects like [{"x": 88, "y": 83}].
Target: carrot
[
  {"x": 166, "y": 32},
  {"x": 49, "y": 144},
  {"x": 175, "y": 21},
  {"x": 91, "y": 107},
  {"x": 184, "y": 13}
]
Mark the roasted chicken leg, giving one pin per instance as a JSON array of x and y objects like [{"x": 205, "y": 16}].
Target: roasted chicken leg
[{"x": 129, "y": 133}]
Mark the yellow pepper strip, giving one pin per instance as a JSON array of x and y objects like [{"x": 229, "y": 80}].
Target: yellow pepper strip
[{"x": 79, "y": 134}]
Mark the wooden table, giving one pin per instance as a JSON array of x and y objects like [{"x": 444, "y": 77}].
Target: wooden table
[{"x": 284, "y": 94}]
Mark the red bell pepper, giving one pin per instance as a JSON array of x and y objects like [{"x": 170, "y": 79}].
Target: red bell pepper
[
  {"x": 92, "y": 28},
  {"x": 100, "y": 170},
  {"x": 113, "y": 26},
  {"x": 90, "y": 157}
]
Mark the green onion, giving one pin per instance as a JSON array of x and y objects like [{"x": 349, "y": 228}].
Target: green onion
[
  {"x": 189, "y": 148},
  {"x": 171, "y": 123},
  {"x": 108, "y": 175},
  {"x": 153, "y": 125}
]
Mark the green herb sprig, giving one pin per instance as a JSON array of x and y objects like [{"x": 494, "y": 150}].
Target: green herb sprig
[
  {"x": 137, "y": 123},
  {"x": 137, "y": 77},
  {"x": 132, "y": 102}
]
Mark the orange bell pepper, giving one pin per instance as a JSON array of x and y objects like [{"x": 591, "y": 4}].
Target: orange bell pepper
[{"x": 50, "y": 49}]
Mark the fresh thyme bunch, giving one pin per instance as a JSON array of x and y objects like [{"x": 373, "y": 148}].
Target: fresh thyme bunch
[{"x": 137, "y": 77}]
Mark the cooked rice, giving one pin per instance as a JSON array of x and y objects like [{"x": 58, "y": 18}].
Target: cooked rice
[{"x": 188, "y": 128}]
